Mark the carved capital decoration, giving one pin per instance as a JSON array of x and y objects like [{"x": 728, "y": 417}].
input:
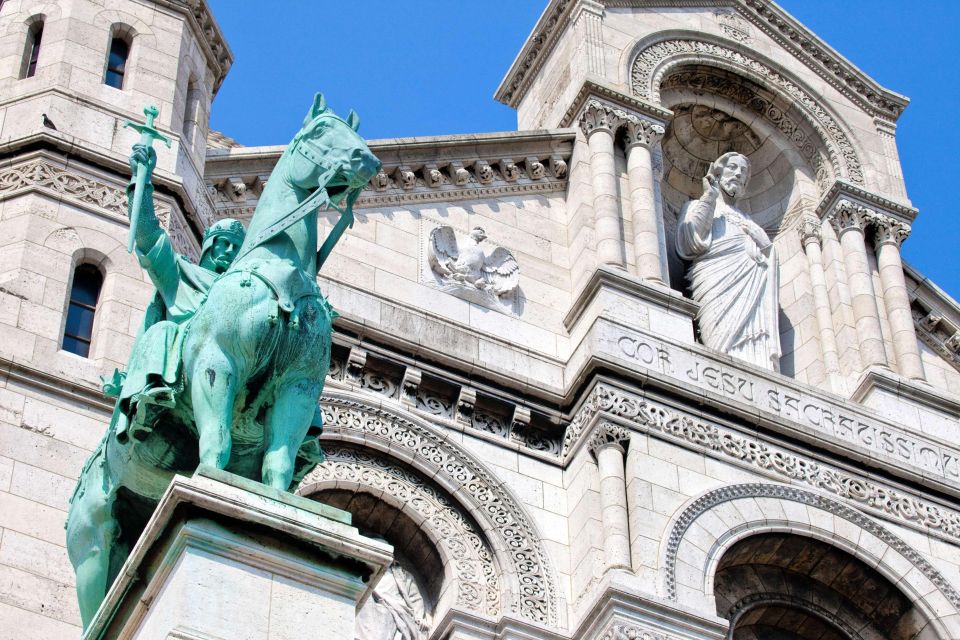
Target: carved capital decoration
[
  {"x": 608, "y": 434},
  {"x": 809, "y": 230},
  {"x": 888, "y": 230},
  {"x": 849, "y": 216},
  {"x": 529, "y": 586},
  {"x": 642, "y": 132},
  {"x": 597, "y": 116}
]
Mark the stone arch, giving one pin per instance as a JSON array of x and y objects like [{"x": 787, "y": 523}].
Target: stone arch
[
  {"x": 421, "y": 522},
  {"x": 700, "y": 535},
  {"x": 528, "y": 584},
  {"x": 653, "y": 59}
]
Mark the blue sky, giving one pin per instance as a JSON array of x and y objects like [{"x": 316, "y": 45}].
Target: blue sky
[{"x": 430, "y": 67}]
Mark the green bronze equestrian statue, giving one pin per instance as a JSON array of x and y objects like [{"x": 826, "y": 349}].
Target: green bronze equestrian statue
[{"x": 230, "y": 362}]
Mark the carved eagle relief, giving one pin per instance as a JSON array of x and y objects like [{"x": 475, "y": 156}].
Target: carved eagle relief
[{"x": 466, "y": 263}]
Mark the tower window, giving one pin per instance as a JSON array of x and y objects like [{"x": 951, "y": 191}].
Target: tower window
[
  {"x": 32, "y": 51},
  {"x": 78, "y": 332},
  {"x": 117, "y": 63}
]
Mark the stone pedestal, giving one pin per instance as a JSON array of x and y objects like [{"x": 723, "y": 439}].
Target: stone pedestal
[{"x": 227, "y": 558}]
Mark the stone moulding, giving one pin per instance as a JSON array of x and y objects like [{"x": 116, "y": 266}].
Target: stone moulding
[
  {"x": 475, "y": 576},
  {"x": 782, "y": 492},
  {"x": 606, "y": 403},
  {"x": 532, "y": 589},
  {"x": 770, "y": 19},
  {"x": 38, "y": 174},
  {"x": 656, "y": 59}
]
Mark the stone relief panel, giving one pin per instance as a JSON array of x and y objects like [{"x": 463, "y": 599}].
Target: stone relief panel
[
  {"x": 469, "y": 267},
  {"x": 473, "y": 571},
  {"x": 529, "y": 585}
]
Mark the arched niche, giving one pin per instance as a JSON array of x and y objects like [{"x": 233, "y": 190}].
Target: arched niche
[
  {"x": 396, "y": 456},
  {"x": 704, "y": 544}
]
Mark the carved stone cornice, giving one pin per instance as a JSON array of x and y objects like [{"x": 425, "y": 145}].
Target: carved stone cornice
[
  {"x": 212, "y": 42},
  {"x": 776, "y": 23},
  {"x": 888, "y": 230},
  {"x": 843, "y": 190},
  {"x": 593, "y": 89},
  {"x": 809, "y": 230},
  {"x": 416, "y": 170}
]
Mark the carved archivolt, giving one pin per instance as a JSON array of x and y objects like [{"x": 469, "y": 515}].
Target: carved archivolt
[
  {"x": 647, "y": 416},
  {"x": 654, "y": 61},
  {"x": 529, "y": 586},
  {"x": 464, "y": 550},
  {"x": 750, "y": 518}
]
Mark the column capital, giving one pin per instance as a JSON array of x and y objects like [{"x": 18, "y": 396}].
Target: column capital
[
  {"x": 642, "y": 132},
  {"x": 597, "y": 116},
  {"x": 888, "y": 230},
  {"x": 608, "y": 435},
  {"x": 848, "y": 216},
  {"x": 809, "y": 229}
]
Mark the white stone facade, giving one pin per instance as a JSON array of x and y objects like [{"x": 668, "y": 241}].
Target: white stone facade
[{"x": 573, "y": 464}]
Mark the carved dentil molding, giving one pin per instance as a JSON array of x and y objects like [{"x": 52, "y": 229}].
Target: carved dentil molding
[
  {"x": 475, "y": 574},
  {"x": 647, "y": 416},
  {"x": 650, "y": 67},
  {"x": 794, "y": 494},
  {"x": 532, "y": 592}
]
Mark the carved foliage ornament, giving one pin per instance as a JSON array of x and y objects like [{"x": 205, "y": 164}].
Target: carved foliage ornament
[
  {"x": 533, "y": 591},
  {"x": 649, "y": 69},
  {"x": 597, "y": 116},
  {"x": 884, "y": 500},
  {"x": 759, "y": 490}
]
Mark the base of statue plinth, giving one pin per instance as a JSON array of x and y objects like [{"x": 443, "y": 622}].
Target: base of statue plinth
[{"x": 225, "y": 558}]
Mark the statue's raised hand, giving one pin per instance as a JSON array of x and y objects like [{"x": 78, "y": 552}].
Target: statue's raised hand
[
  {"x": 142, "y": 156},
  {"x": 711, "y": 188}
]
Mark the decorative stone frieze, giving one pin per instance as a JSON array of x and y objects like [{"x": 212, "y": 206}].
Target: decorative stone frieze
[
  {"x": 649, "y": 417},
  {"x": 794, "y": 494},
  {"x": 632, "y": 632},
  {"x": 656, "y": 61},
  {"x": 733, "y": 25},
  {"x": 38, "y": 174},
  {"x": 530, "y": 589}
]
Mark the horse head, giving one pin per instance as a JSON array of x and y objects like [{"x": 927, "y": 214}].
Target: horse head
[{"x": 328, "y": 153}]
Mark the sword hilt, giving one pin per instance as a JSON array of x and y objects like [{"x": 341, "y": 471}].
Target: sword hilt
[{"x": 147, "y": 132}]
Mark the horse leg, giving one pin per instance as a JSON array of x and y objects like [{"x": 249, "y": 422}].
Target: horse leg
[
  {"x": 287, "y": 423},
  {"x": 92, "y": 534},
  {"x": 213, "y": 389}
]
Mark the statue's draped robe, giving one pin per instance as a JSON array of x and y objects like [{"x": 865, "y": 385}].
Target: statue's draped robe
[
  {"x": 734, "y": 277},
  {"x": 155, "y": 358}
]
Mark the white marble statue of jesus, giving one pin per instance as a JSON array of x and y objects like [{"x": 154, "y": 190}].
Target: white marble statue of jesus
[{"x": 733, "y": 272}]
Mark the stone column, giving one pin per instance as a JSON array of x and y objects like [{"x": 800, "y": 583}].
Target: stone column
[
  {"x": 642, "y": 137},
  {"x": 599, "y": 122},
  {"x": 889, "y": 234},
  {"x": 850, "y": 220},
  {"x": 810, "y": 237},
  {"x": 608, "y": 446}
]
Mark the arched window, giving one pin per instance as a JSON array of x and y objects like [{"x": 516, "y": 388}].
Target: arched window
[
  {"x": 31, "y": 52},
  {"x": 117, "y": 62},
  {"x": 78, "y": 331}
]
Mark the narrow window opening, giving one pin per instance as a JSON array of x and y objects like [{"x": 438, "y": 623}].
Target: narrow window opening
[
  {"x": 78, "y": 332},
  {"x": 191, "y": 113},
  {"x": 32, "y": 50},
  {"x": 117, "y": 63}
]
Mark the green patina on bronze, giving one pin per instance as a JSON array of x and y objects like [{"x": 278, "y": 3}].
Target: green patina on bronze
[{"x": 232, "y": 355}]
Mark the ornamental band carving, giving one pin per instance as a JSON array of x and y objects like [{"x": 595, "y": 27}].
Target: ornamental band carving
[{"x": 648, "y": 416}]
